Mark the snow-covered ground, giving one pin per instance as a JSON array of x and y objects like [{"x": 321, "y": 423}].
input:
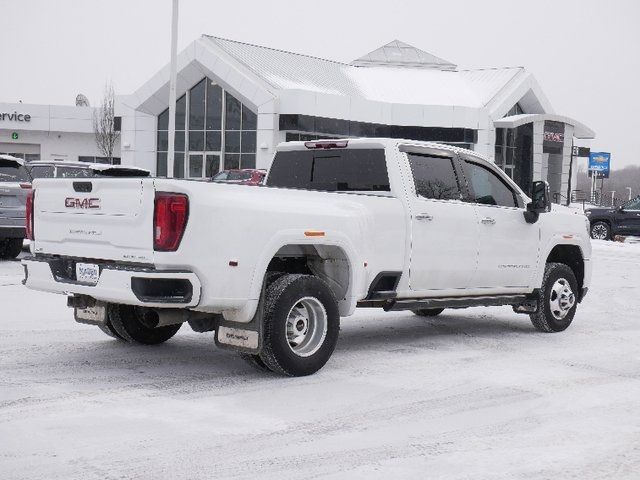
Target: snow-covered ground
[{"x": 471, "y": 394}]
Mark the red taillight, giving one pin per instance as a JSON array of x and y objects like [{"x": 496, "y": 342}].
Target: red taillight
[
  {"x": 326, "y": 144},
  {"x": 169, "y": 220},
  {"x": 25, "y": 185},
  {"x": 31, "y": 196}
]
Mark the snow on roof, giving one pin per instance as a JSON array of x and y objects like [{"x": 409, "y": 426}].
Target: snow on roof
[{"x": 381, "y": 80}]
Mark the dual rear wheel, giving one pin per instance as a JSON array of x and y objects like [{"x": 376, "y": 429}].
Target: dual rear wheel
[{"x": 10, "y": 248}]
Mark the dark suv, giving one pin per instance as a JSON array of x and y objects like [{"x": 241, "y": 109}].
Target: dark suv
[{"x": 606, "y": 223}]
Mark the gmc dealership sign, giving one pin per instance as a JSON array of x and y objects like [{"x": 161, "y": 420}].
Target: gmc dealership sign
[
  {"x": 15, "y": 117},
  {"x": 553, "y": 137}
]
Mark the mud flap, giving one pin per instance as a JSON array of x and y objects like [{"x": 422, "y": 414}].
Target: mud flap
[{"x": 243, "y": 337}]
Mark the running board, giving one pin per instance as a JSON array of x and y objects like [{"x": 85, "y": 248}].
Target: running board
[{"x": 454, "y": 302}]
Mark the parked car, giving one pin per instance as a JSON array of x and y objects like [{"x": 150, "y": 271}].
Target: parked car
[
  {"x": 15, "y": 182},
  {"x": 67, "y": 169},
  {"x": 340, "y": 224},
  {"x": 247, "y": 176},
  {"x": 606, "y": 223}
]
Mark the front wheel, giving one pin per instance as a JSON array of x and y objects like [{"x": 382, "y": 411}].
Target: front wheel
[
  {"x": 301, "y": 324},
  {"x": 600, "y": 231},
  {"x": 557, "y": 299}
]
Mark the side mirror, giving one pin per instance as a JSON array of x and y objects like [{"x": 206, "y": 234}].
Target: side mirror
[
  {"x": 620, "y": 209},
  {"x": 540, "y": 201}
]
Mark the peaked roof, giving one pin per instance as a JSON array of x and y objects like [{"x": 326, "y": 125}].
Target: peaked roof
[
  {"x": 400, "y": 54},
  {"x": 384, "y": 82}
]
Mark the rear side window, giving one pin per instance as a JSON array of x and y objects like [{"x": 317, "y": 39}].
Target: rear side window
[
  {"x": 10, "y": 172},
  {"x": 487, "y": 188},
  {"x": 350, "y": 170},
  {"x": 434, "y": 177},
  {"x": 42, "y": 172}
]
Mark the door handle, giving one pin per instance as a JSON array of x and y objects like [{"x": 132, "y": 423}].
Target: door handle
[
  {"x": 488, "y": 221},
  {"x": 424, "y": 217}
]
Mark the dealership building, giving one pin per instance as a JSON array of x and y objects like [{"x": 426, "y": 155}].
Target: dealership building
[
  {"x": 48, "y": 132},
  {"x": 236, "y": 102}
]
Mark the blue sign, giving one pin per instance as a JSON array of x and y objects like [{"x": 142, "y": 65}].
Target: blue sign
[{"x": 600, "y": 162}]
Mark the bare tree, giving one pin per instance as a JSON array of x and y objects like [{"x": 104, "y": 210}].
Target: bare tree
[{"x": 104, "y": 123}]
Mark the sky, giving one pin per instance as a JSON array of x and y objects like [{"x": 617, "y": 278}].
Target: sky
[{"x": 585, "y": 54}]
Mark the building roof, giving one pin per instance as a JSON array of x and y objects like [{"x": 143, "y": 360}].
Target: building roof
[
  {"x": 513, "y": 121},
  {"x": 400, "y": 54},
  {"x": 381, "y": 75}
]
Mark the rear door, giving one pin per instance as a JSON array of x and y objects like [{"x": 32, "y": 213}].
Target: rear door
[
  {"x": 444, "y": 229},
  {"x": 508, "y": 245},
  {"x": 14, "y": 185},
  {"x": 100, "y": 218}
]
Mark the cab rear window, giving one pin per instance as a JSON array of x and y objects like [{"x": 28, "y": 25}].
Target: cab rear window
[{"x": 350, "y": 170}]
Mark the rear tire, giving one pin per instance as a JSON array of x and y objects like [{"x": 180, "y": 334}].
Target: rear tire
[
  {"x": 601, "y": 231},
  {"x": 108, "y": 329},
  {"x": 557, "y": 299},
  {"x": 10, "y": 248},
  {"x": 301, "y": 325},
  {"x": 255, "y": 361},
  {"x": 428, "y": 312},
  {"x": 129, "y": 324}
]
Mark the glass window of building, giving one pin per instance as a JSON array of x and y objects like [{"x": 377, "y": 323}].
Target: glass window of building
[{"x": 214, "y": 131}]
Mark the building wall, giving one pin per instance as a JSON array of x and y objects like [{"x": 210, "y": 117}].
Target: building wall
[{"x": 55, "y": 131}]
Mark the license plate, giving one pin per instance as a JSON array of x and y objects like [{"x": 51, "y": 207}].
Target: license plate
[
  {"x": 88, "y": 273},
  {"x": 95, "y": 315}
]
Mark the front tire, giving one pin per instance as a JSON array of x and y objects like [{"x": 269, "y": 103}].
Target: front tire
[
  {"x": 130, "y": 325},
  {"x": 557, "y": 299},
  {"x": 301, "y": 325},
  {"x": 601, "y": 231}
]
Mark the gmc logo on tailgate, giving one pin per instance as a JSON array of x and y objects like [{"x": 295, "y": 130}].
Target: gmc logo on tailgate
[{"x": 71, "y": 202}]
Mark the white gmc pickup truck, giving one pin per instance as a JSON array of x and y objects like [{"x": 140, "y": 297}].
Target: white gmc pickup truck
[{"x": 340, "y": 224}]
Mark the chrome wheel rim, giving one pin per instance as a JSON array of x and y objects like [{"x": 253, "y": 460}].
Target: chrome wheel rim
[
  {"x": 599, "y": 231},
  {"x": 306, "y": 326},
  {"x": 562, "y": 299}
]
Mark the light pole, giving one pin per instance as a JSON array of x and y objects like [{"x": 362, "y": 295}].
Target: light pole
[
  {"x": 172, "y": 90},
  {"x": 613, "y": 196},
  {"x": 629, "y": 188}
]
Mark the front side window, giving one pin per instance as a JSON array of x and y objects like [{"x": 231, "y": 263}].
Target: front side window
[
  {"x": 434, "y": 177},
  {"x": 487, "y": 188}
]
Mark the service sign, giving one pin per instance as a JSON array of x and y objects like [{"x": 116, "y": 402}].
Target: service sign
[{"x": 600, "y": 162}]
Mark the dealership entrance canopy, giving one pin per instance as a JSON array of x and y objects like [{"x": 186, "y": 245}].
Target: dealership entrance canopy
[{"x": 237, "y": 101}]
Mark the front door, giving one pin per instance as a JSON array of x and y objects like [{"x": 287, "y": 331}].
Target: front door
[
  {"x": 628, "y": 218},
  {"x": 508, "y": 245},
  {"x": 444, "y": 229}
]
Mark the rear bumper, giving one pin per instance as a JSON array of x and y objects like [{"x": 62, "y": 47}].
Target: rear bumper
[
  {"x": 132, "y": 285},
  {"x": 12, "y": 229}
]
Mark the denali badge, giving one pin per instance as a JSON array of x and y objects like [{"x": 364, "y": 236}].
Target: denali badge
[{"x": 71, "y": 202}]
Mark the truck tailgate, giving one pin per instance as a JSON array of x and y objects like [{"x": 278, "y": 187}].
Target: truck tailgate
[{"x": 101, "y": 218}]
